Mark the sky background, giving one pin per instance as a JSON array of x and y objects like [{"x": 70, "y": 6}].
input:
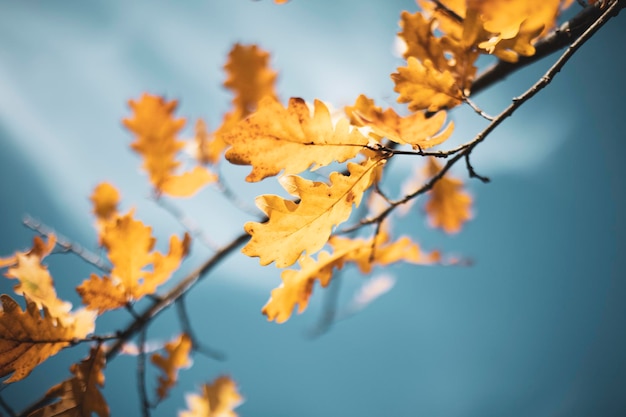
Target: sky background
[{"x": 535, "y": 327}]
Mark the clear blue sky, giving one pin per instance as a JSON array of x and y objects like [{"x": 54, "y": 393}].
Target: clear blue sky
[{"x": 534, "y": 328}]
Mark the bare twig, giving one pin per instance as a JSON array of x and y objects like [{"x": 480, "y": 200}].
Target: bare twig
[
  {"x": 234, "y": 199},
  {"x": 65, "y": 244},
  {"x": 197, "y": 346},
  {"x": 185, "y": 221},
  {"x": 141, "y": 375}
]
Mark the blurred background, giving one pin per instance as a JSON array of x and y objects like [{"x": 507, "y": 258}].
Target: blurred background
[{"x": 535, "y": 327}]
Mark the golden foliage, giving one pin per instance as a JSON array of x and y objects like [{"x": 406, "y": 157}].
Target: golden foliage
[
  {"x": 448, "y": 206},
  {"x": 28, "y": 338},
  {"x": 249, "y": 77},
  {"x": 276, "y": 139},
  {"x": 175, "y": 358},
  {"x": 218, "y": 399},
  {"x": 294, "y": 227},
  {"x": 424, "y": 87},
  {"x": 156, "y": 141},
  {"x": 39, "y": 250},
  {"x": 80, "y": 395},
  {"x": 297, "y": 285},
  {"x": 129, "y": 244},
  {"x": 417, "y": 130}
]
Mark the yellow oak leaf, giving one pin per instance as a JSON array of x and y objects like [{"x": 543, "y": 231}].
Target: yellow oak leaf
[
  {"x": 156, "y": 131},
  {"x": 105, "y": 199},
  {"x": 297, "y": 285},
  {"x": 218, "y": 399},
  {"x": 40, "y": 250},
  {"x": 249, "y": 77},
  {"x": 424, "y": 87},
  {"x": 35, "y": 282},
  {"x": 275, "y": 139},
  {"x": 28, "y": 338},
  {"x": 448, "y": 206},
  {"x": 129, "y": 244},
  {"x": 294, "y": 227},
  {"x": 176, "y": 358},
  {"x": 417, "y": 130},
  {"x": 80, "y": 395},
  {"x": 417, "y": 33}
]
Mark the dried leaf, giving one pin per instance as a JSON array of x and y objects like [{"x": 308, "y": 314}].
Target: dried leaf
[
  {"x": 28, "y": 338},
  {"x": 249, "y": 77},
  {"x": 424, "y": 87},
  {"x": 176, "y": 358},
  {"x": 275, "y": 139},
  {"x": 295, "y": 227},
  {"x": 217, "y": 400},
  {"x": 417, "y": 130},
  {"x": 129, "y": 245},
  {"x": 448, "y": 206},
  {"x": 39, "y": 249},
  {"x": 156, "y": 131},
  {"x": 297, "y": 285},
  {"x": 80, "y": 395}
]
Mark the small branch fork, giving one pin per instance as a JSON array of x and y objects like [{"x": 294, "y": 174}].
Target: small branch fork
[{"x": 463, "y": 151}]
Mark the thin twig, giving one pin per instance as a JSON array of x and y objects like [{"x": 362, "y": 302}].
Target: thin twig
[
  {"x": 472, "y": 172},
  {"x": 477, "y": 109},
  {"x": 197, "y": 346},
  {"x": 65, "y": 244},
  {"x": 190, "y": 226},
  {"x": 141, "y": 375},
  {"x": 234, "y": 199},
  {"x": 466, "y": 149},
  {"x": 329, "y": 308}
]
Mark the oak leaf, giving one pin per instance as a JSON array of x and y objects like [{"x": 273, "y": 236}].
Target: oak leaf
[
  {"x": 40, "y": 249},
  {"x": 129, "y": 244},
  {"x": 297, "y": 285},
  {"x": 448, "y": 206},
  {"x": 249, "y": 77},
  {"x": 156, "y": 131},
  {"x": 424, "y": 87},
  {"x": 176, "y": 357},
  {"x": 276, "y": 138},
  {"x": 294, "y": 227},
  {"x": 28, "y": 338},
  {"x": 218, "y": 399},
  {"x": 417, "y": 130},
  {"x": 80, "y": 395}
]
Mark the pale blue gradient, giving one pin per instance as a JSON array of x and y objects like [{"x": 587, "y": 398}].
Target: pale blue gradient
[{"x": 534, "y": 328}]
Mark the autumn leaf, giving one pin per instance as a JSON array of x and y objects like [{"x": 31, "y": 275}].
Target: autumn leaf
[
  {"x": 417, "y": 34},
  {"x": 249, "y": 77},
  {"x": 80, "y": 395},
  {"x": 297, "y": 285},
  {"x": 448, "y": 206},
  {"x": 40, "y": 250},
  {"x": 176, "y": 357},
  {"x": 156, "y": 131},
  {"x": 275, "y": 139},
  {"x": 28, "y": 338},
  {"x": 218, "y": 399},
  {"x": 417, "y": 130},
  {"x": 129, "y": 244},
  {"x": 105, "y": 199},
  {"x": 424, "y": 87},
  {"x": 294, "y": 227}
]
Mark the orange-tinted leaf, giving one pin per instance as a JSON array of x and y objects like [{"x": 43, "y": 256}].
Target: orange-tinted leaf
[
  {"x": 188, "y": 183},
  {"x": 39, "y": 250},
  {"x": 448, "y": 206},
  {"x": 424, "y": 87},
  {"x": 35, "y": 282},
  {"x": 137, "y": 269},
  {"x": 297, "y": 285},
  {"x": 417, "y": 33},
  {"x": 105, "y": 199},
  {"x": 156, "y": 131},
  {"x": 417, "y": 130},
  {"x": 176, "y": 358},
  {"x": 249, "y": 77},
  {"x": 306, "y": 226},
  {"x": 218, "y": 399},
  {"x": 28, "y": 338},
  {"x": 275, "y": 139},
  {"x": 80, "y": 395}
]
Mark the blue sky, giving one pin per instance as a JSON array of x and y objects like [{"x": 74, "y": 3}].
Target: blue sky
[{"x": 534, "y": 327}]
